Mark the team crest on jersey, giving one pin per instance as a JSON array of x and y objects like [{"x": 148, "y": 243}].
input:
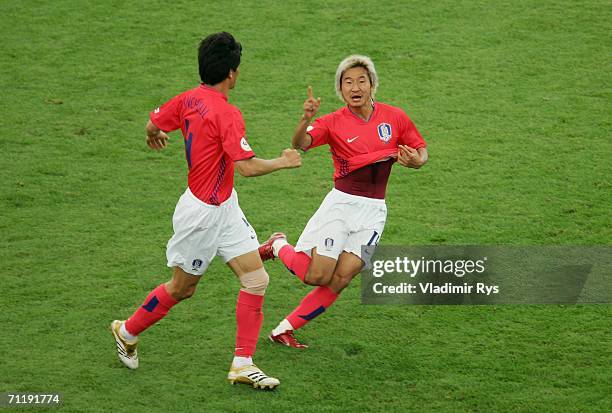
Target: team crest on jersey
[
  {"x": 329, "y": 243},
  {"x": 244, "y": 144},
  {"x": 384, "y": 132}
]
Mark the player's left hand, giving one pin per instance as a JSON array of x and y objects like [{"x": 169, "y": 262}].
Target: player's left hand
[
  {"x": 409, "y": 157},
  {"x": 158, "y": 141}
]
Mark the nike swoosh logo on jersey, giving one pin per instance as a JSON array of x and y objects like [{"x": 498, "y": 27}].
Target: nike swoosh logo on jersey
[{"x": 349, "y": 140}]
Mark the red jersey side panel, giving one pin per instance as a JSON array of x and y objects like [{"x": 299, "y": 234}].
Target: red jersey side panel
[{"x": 214, "y": 133}]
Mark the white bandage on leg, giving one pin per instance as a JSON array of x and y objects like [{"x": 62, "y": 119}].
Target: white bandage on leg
[{"x": 255, "y": 282}]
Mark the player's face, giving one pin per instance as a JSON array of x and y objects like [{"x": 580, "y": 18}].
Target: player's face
[{"x": 356, "y": 87}]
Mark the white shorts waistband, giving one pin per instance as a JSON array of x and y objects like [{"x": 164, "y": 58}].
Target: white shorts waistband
[{"x": 363, "y": 199}]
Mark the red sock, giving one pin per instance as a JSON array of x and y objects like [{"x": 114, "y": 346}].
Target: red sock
[
  {"x": 314, "y": 304},
  {"x": 155, "y": 307},
  {"x": 248, "y": 323},
  {"x": 296, "y": 262}
]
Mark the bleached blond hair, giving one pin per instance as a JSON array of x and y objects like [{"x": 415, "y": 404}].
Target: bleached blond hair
[{"x": 352, "y": 61}]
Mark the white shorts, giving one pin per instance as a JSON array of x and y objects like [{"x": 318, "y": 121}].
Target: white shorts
[
  {"x": 344, "y": 222},
  {"x": 202, "y": 231}
]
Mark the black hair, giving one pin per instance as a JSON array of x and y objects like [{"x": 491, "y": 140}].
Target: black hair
[{"x": 217, "y": 54}]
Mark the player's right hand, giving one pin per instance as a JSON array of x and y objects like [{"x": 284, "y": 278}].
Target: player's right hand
[
  {"x": 158, "y": 141},
  {"x": 292, "y": 158},
  {"x": 311, "y": 105}
]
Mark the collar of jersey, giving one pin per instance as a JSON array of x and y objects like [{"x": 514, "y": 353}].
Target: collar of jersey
[
  {"x": 361, "y": 119},
  {"x": 213, "y": 91}
]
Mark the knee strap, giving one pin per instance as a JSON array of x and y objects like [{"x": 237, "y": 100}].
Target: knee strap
[{"x": 255, "y": 282}]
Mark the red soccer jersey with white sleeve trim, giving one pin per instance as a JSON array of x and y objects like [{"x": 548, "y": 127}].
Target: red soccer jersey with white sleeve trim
[
  {"x": 215, "y": 137},
  {"x": 355, "y": 143}
]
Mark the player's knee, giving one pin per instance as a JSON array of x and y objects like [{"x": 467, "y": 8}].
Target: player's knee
[
  {"x": 255, "y": 282},
  {"x": 188, "y": 292},
  {"x": 339, "y": 282},
  {"x": 180, "y": 292},
  {"x": 315, "y": 277}
]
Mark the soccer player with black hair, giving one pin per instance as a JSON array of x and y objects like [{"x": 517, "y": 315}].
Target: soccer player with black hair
[
  {"x": 365, "y": 139},
  {"x": 208, "y": 220}
]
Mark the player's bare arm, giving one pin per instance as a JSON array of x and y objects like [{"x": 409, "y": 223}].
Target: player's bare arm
[
  {"x": 290, "y": 158},
  {"x": 156, "y": 138},
  {"x": 412, "y": 158},
  {"x": 301, "y": 140}
]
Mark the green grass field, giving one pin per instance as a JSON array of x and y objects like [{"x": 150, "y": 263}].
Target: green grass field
[{"x": 513, "y": 97}]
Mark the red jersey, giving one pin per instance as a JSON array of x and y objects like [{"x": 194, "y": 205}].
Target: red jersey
[
  {"x": 214, "y": 135},
  {"x": 355, "y": 143},
  {"x": 364, "y": 151}
]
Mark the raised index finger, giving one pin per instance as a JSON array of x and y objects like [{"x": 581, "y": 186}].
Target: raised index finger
[{"x": 310, "y": 92}]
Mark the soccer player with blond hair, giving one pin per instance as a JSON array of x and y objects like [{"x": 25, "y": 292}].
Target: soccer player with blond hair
[{"x": 365, "y": 139}]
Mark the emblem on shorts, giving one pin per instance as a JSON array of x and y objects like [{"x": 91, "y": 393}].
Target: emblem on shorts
[
  {"x": 384, "y": 132},
  {"x": 329, "y": 243},
  {"x": 196, "y": 264}
]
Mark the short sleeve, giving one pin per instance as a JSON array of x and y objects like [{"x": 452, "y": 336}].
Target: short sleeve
[
  {"x": 319, "y": 132},
  {"x": 233, "y": 137},
  {"x": 167, "y": 116},
  {"x": 410, "y": 135}
]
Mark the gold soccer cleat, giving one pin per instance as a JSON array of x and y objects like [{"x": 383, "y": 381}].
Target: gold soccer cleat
[
  {"x": 252, "y": 375},
  {"x": 127, "y": 352}
]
